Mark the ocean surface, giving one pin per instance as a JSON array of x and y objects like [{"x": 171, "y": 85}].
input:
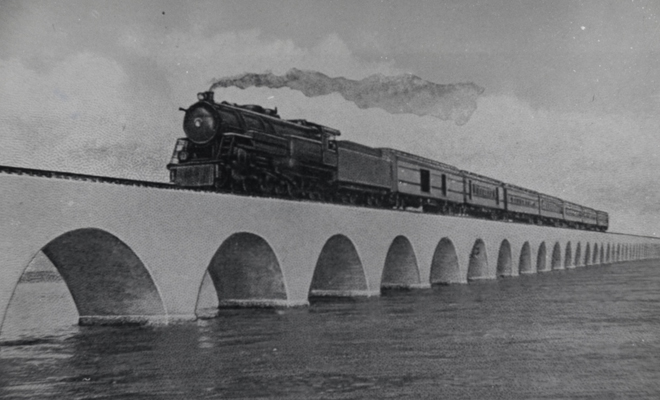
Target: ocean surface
[{"x": 587, "y": 333}]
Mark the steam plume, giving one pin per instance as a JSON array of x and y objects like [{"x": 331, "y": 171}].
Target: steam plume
[{"x": 402, "y": 94}]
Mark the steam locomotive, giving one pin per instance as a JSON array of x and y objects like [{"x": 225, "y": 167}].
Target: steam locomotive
[{"x": 249, "y": 149}]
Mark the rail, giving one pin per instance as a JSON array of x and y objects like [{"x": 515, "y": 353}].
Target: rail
[{"x": 41, "y": 173}]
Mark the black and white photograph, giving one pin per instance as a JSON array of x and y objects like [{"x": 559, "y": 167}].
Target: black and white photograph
[{"x": 307, "y": 199}]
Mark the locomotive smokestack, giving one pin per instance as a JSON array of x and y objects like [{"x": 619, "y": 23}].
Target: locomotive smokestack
[{"x": 402, "y": 94}]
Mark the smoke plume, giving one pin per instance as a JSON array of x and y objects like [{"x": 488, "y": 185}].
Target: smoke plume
[{"x": 402, "y": 94}]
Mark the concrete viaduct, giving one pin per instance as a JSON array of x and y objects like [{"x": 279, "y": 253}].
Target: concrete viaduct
[{"x": 134, "y": 253}]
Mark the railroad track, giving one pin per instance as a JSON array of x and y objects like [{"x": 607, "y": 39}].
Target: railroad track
[{"x": 41, "y": 173}]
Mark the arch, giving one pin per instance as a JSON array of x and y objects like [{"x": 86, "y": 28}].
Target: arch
[
  {"x": 478, "y": 266},
  {"x": 602, "y": 253},
  {"x": 444, "y": 267},
  {"x": 525, "y": 261},
  {"x": 540, "y": 259},
  {"x": 595, "y": 258},
  {"x": 504, "y": 264},
  {"x": 207, "y": 298},
  {"x": 401, "y": 269},
  {"x": 578, "y": 255},
  {"x": 33, "y": 311},
  {"x": 568, "y": 256},
  {"x": 107, "y": 280},
  {"x": 245, "y": 272},
  {"x": 608, "y": 253},
  {"x": 339, "y": 270},
  {"x": 587, "y": 255},
  {"x": 555, "y": 262}
]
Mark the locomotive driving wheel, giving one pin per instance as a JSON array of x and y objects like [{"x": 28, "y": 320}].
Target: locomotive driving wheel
[
  {"x": 266, "y": 185},
  {"x": 250, "y": 185},
  {"x": 281, "y": 189},
  {"x": 293, "y": 190}
]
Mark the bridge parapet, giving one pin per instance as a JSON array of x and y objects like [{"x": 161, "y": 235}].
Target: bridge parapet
[{"x": 140, "y": 253}]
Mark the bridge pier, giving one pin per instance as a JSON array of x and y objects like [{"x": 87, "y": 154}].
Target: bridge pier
[{"x": 140, "y": 254}]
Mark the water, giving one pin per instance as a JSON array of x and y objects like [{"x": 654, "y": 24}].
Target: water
[{"x": 589, "y": 333}]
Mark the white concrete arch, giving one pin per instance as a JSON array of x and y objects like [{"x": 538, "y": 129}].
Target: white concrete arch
[
  {"x": 525, "y": 265},
  {"x": 107, "y": 280},
  {"x": 556, "y": 260},
  {"x": 445, "y": 268},
  {"x": 568, "y": 256},
  {"x": 542, "y": 259},
  {"x": 504, "y": 260},
  {"x": 401, "y": 269},
  {"x": 478, "y": 265},
  {"x": 578, "y": 256},
  {"x": 339, "y": 270},
  {"x": 246, "y": 272}
]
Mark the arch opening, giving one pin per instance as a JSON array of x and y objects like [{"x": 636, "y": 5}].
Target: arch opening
[
  {"x": 541, "y": 259},
  {"x": 568, "y": 256},
  {"x": 555, "y": 262},
  {"x": 40, "y": 304},
  {"x": 602, "y": 253},
  {"x": 401, "y": 270},
  {"x": 608, "y": 253},
  {"x": 338, "y": 271},
  {"x": 525, "y": 261},
  {"x": 504, "y": 264},
  {"x": 595, "y": 258},
  {"x": 444, "y": 267},
  {"x": 107, "y": 281},
  {"x": 478, "y": 265},
  {"x": 578, "y": 255},
  {"x": 587, "y": 255},
  {"x": 245, "y": 272}
]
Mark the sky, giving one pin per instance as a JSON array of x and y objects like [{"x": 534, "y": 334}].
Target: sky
[{"x": 570, "y": 107}]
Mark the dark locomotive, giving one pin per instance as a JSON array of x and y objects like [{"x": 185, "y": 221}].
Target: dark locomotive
[{"x": 250, "y": 149}]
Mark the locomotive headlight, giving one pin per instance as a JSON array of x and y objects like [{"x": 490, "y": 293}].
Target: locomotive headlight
[
  {"x": 183, "y": 156},
  {"x": 201, "y": 96}
]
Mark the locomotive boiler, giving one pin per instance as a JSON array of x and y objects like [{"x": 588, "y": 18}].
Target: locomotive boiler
[{"x": 250, "y": 149}]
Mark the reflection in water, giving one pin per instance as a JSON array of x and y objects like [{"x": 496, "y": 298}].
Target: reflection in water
[{"x": 587, "y": 333}]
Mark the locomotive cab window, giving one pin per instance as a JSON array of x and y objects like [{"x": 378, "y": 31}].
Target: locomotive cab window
[
  {"x": 425, "y": 180},
  {"x": 332, "y": 145}
]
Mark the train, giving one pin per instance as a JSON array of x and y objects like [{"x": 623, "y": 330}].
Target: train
[{"x": 250, "y": 149}]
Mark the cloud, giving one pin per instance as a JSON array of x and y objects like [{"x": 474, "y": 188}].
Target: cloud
[
  {"x": 75, "y": 117},
  {"x": 192, "y": 59}
]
